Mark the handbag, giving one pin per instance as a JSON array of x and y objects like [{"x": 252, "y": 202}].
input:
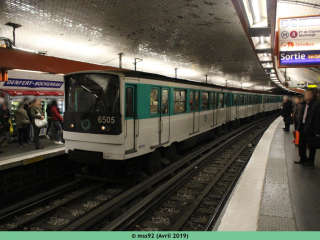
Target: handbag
[
  {"x": 314, "y": 142},
  {"x": 40, "y": 122}
]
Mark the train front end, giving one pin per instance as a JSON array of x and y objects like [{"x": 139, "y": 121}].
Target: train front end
[{"x": 93, "y": 119}]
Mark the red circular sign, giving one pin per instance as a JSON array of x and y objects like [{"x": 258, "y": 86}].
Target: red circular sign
[{"x": 293, "y": 34}]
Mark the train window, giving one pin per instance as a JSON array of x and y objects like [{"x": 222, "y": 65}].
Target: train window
[
  {"x": 179, "y": 103},
  {"x": 245, "y": 99},
  {"x": 205, "y": 100},
  {"x": 129, "y": 102},
  {"x": 221, "y": 100},
  {"x": 154, "y": 96},
  {"x": 165, "y": 104},
  {"x": 249, "y": 99},
  {"x": 191, "y": 101},
  {"x": 236, "y": 100},
  {"x": 226, "y": 102},
  {"x": 256, "y": 99},
  {"x": 241, "y": 100},
  {"x": 196, "y": 101}
]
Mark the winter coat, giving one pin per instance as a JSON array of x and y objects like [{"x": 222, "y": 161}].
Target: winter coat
[
  {"x": 55, "y": 114},
  {"x": 296, "y": 112},
  {"x": 20, "y": 115}
]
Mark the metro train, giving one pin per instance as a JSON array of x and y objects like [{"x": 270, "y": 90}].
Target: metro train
[{"x": 132, "y": 116}]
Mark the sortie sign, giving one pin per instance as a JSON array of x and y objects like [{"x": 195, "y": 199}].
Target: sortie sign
[{"x": 299, "y": 42}]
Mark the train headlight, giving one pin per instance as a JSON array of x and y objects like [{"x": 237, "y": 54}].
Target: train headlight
[
  {"x": 103, "y": 128},
  {"x": 71, "y": 125}
]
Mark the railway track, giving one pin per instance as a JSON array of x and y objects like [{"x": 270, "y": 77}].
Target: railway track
[
  {"x": 56, "y": 208},
  {"x": 166, "y": 181},
  {"x": 183, "y": 196},
  {"x": 192, "y": 201}
]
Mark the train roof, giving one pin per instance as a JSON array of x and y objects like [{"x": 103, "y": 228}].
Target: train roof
[{"x": 159, "y": 77}]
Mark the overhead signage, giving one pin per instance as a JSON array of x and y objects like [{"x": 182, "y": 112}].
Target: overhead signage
[
  {"x": 299, "y": 42},
  {"x": 27, "y": 83}
]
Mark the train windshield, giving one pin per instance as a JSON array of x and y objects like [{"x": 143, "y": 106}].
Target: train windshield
[{"x": 92, "y": 92}]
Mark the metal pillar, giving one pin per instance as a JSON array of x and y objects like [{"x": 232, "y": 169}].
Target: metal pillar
[{"x": 120, "y": 59}]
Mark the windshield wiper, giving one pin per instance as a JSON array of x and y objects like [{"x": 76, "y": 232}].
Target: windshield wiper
[{"x": 94, "y": 104}]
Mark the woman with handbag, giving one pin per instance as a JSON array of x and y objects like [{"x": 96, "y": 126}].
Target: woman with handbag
[
  {"x": 37, "y": 120},
  {"x": 22, "y": 123}
]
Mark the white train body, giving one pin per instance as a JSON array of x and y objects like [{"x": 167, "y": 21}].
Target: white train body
[{"x": 151, "y": 112}]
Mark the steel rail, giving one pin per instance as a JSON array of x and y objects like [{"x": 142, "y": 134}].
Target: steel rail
[
  {"x": 101, "y": 212},
  {"x": 144, "y": 205}
]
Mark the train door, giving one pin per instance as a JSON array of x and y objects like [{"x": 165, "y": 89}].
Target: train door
[
  {"x": 194, "y": 108},
  {"x": 164, "y": 116},
  {"x": 159, "y": 127},
  {"x": 227, "y": 106},
  {"x": 131, "y": 119},
  {"x": 214, "y": 108},
  {"x": 246, "y": 105},
  {"x": 235, "y": 104},
  {"x": 221, "y": 108}
]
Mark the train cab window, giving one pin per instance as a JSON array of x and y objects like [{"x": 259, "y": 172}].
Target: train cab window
[
  {"x": 241, "y": 100},
  {"x": 221, "y": 100},
  {"x": 129, "y": 102},
  {"x": 179, "y": 103},
  {"x": 165, "y": 102},
  {"x": 154, "y": 96},
  {"x": 205, "y": 100}
]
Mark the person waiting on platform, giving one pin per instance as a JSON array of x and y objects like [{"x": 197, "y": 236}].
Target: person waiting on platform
[
  {"x": 22, "y": 123},
  {"x": 57, "y": 120},
  {"x": 296, "y": 111},
  {"x": 26, "y": 106},
  {"x": 308, "y": 126},
  {"x": 3, "y": 134},
  {"x": 36, "y": 112},
  {"x": 6, "y": 114},
  {"x": 286, "y": 113},
  {"x": 49, "y": 118}
]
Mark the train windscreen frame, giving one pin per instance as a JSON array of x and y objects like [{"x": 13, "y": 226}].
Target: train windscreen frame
[{"x": 93, "y": 103}]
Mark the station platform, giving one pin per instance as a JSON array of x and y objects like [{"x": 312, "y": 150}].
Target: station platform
[
  {"x": 14, "y": 156},
  {"x": 274, "y": 193}
]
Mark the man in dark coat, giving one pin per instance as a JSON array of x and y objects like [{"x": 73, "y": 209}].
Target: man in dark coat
[
  {"x": 286, "y": 113},
  {"x": 2, "y": 125},
  {"x": 308, "y": 126}
]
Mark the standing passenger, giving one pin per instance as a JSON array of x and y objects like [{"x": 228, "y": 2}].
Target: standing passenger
[
  {"x": 308, "y": 126},
  {"x": 22, "y": 126},
  {"x": 6, "y": 114},
  {"x": 36, "y": 112},
  {"x": 56, "y": 119},
  {"x": 286, "y": 113},
  {"x": 296, "y": 112},
  {"x": 3, "y": 135}
]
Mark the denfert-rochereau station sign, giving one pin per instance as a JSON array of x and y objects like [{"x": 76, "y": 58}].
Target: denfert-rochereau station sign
[{"x": 299, "y": 41}]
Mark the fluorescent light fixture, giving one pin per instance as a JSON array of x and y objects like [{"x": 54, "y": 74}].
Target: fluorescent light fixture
[
  {"x": 22, "y": 70},
  {"x": 256, "y": 11},
  {"x": 262, "y": 42}
]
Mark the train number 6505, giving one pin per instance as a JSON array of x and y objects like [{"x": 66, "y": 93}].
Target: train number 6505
[{"x": 105, "y": 119}]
